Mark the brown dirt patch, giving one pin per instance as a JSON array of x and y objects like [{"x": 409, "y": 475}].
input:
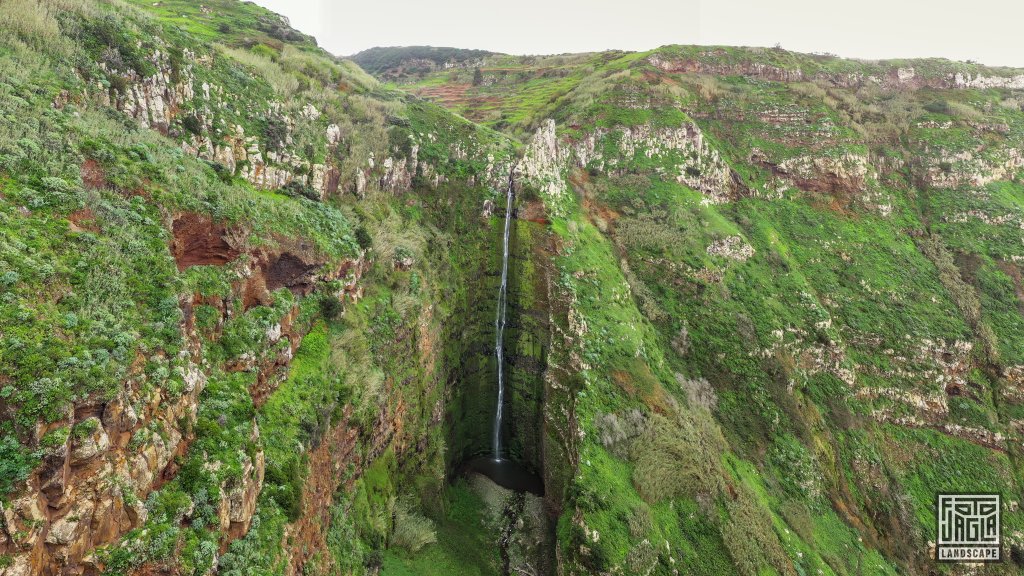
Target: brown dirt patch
[
  {"x": 199, "y": 241},
  {"x": 533, "y": 211},
  {"x": 93, "y": 175},
  {"x": 83, "y": 220}
]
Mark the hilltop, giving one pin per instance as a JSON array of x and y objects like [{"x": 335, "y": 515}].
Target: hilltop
[{"x": 416, "y": 61}]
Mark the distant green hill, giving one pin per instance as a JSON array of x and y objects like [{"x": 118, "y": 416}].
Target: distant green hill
[{"x": 414, "y": 61}]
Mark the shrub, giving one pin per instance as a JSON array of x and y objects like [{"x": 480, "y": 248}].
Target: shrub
[
  {"x": 297, "y": 188},
  {"x": 751, "y": 538},
  {"x": 85, "y": 428},
  {"x": 16, "y": 464},
  {"x": 34, "y": 21},
  {"x": 284, "y": 83},
  {"x": 964, "y": 295},
  {"x": 797, "y": 465},
  {"x": 640, "y": 522},
  {"x": 114, "y": 43},
  {"x": 347, "y": 550},
  {"x": 412, "y": 530},
  {"x": 642, "y": 558},
  {"x": 809, "y": 89},
  {"x": 264, "y": 51},
  {"x": 616, "y": 431},
  {"x": 965, "y": 111},
  {"x": 287, "y": 482},
  {"x": 678, "y": 457},
  {"x": 709, "y": 87},
  {"x": 699, "y": 392},
  {"x": 275, "y": 133},
  {"x": 1012, "y": 104},
  {"x": 797, "y": 515},
  {"x": 330, "y": 306},
  {"x": 363, "y": 238},
  {"x": 192, "y": 123}
]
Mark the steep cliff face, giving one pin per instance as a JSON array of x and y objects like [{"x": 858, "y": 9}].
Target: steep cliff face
[
  {"x": 474, "y": 400},
  {"x": 678, "y": 153},
  {"x": 108, "y": 453},
  {"x": 234, "y": 321}
]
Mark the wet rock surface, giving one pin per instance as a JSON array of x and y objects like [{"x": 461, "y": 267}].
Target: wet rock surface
[{"x": 521, "y": 526}]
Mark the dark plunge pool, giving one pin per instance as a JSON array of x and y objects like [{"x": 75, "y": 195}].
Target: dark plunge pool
[{"x": 505, "y": 473}]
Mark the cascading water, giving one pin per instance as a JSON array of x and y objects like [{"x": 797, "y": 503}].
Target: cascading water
[
  {"x": 504, "y": 471},
  {"x": 499, "y": 321}
]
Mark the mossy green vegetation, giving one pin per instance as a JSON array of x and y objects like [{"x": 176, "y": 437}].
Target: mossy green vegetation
[{"x": 466, "y": 542}]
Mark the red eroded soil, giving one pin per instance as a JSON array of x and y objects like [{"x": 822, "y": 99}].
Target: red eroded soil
[
  {"x": 93, "y": 175},
  {"x": 199, "y": 241}
]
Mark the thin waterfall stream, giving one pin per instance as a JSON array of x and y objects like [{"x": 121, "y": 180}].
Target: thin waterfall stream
[
  {"x": 505, "y": 471},
  {"x": 499, "y": 320}
]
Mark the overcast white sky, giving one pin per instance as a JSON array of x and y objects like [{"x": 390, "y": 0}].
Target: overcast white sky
[{"x": 988, "y": 31}]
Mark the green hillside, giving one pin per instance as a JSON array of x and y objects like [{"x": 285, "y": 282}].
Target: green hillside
[
  {"x": 763, "y": 306},
  {"x": 822, "y": 253}
]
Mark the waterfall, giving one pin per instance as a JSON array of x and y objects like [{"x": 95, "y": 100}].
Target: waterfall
[{"x": 499, "y": 322}]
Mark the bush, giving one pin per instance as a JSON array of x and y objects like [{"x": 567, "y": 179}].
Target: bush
[
  {"x": 751, "y": 538},
  {"x": 965, "y": 111},
  {"x": 330, "y": 306},
  {"x": 678, "y": 457},
  {"x": 363, "y": 238},
  {"x": 709, "y": 87},
  {"x": 34, "y": 21},
  {"x": 412, "y": 530},
  {"x": 297, "y": 188},
  {"x": 964, "y": 295},
  {"x": 85, "y": 428},
  {"x": 699, "y": 392},
  {"x": 287, "y": 482},
  {"x": 192, "y": 123},
  {"x": 347, "y": 550},
  {"x": 275, "y": 133},
  {"x": 616, "y": 432},
  {"x": 642, "y": 558},
  {"x": 111, "y": 41},
  {"x": 284, "y": 83},
  {"x": 799, "y": 518},
  {"x": 16, "y": 463},
  {"x": 640, "y": 522}
]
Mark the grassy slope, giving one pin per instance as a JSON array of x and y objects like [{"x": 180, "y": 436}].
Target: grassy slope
[{"x": 113, "y": 284}]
